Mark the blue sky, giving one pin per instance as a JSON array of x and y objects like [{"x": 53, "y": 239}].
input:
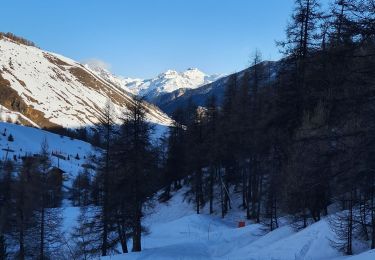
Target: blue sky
[{"x": 141, "y": 38}]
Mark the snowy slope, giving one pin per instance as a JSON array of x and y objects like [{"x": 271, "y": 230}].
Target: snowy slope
[
  {"x": 369, "y": 255},
  {"x": 9, "y": 116},
  {"x": 166, "y": 82},
  {"x": 128, "y": 84},
  {"x": 176, "y": 232},
  {"x": 52, "y": 90},
  {"x": 27, "y": 141}
]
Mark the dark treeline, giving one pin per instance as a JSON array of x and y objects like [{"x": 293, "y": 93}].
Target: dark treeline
[
  {"x": 296, "y": 142},
  {"x": 116, "y": 188},
  {"x": 86, "y": 134},
  {"x": 112, "y": 190},
  {"x": 17, "y": 39},
  {"x": 30, "y": 213}
]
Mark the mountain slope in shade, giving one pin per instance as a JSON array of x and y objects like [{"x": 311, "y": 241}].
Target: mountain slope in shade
[
  {"x": 171, "y": 90},
  {"x": 54, "y": 91},
  {"x": 169, "y": 102},
  {"x": 166, "y": 82}
]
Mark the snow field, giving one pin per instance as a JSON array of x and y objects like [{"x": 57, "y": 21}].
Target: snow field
[
  {"x": 177, "y": 232},
  {"x": 27, "y": 141}
]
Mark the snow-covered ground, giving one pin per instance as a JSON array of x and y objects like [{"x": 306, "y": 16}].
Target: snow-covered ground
[
  {"x": 28, "y": 140},
  {"x": 176, "y": 232}
]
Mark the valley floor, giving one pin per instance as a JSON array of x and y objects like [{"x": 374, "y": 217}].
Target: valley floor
[{"x": 176, "y": 232}]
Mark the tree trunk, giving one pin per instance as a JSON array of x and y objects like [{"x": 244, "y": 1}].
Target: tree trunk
[
  {"x": 372, "y": 215},
  {"x": 137, "y": 232},
  {"x": 221, "y": 194},
  {"x": 254, "y": 194},
  {"x": 105, "y": 199},
  {"x": 225, "y": 193},
  {"x": 248, "y": 198},
  {"x": 211, "y": 190},
  {"x": 42, "y": 233},
  {"x": 306, "y": 29},
  {"x": 122, "y": 236},
  {"x": 105, "y": 228},
  {"x": 372, "y": 225},
  {"x": 21, "y": 237},
  {"x": 197, "y": 190},
  {"x": 275, "y": 212},
  {"x": 259, "y": 197},
  {"x": 244, "y": 187},
  {"x": 349, "y": 250},
  {"x": 3, "y": 250}
]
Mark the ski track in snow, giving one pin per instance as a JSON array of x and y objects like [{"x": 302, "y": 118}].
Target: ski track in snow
[{"x": 176, "y": 232}]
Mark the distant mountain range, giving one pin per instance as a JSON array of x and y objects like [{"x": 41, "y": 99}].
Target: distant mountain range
[
  {"x": 169, "y": 102},
  {"x": 172, "y": 89},
  {"x": 165, "y": 83}
]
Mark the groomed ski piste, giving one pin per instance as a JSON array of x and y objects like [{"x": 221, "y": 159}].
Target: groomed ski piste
[{"x": 175, "y": 231}]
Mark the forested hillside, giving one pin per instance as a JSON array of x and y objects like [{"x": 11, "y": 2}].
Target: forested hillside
[
  {"x": 298, "y": 144},
  {"x": 169, "y": 102}
]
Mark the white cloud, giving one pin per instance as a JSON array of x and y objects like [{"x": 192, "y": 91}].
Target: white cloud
[{"x": 97, "y": 63}]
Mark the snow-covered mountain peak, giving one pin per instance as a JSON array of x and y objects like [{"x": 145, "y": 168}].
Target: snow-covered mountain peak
[
  {"x": 165, "y": 82},
  {"x": 172, "y": 80},
  {"x": 194, "y": 73},
  {"x": 168, "y": 74}
]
